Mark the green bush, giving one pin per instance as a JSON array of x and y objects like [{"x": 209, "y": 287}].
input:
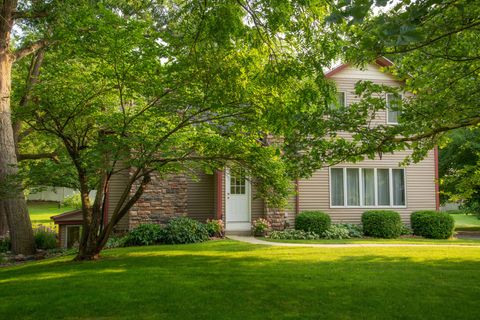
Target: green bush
[
  {"x": 45, "y": 238},
  {"x": 354, "y": 230},
  {"x": 184, "y": 230},
  {"x": 336, "y": 231},
  {"x": 294, "y": 235},
  {"x": 144, "y": 235},
  {"x": 116, "y": 242},
  {"x": 432, "y": 224},
  {"x": 382, "y": 224},
  {"x": 214, "y": 228},
  {"x": 5, "y": 244},
  {"x": 314, "y": 221},
  {"x": 73, "y": 200}
]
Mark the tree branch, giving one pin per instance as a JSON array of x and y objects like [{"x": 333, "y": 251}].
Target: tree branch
[
  {"x": 37, "y": 156},
  {"x": 29, "y": 49}
]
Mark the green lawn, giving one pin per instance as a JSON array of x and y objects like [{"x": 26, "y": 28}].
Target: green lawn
[
  {"x": 232, "y": 280},
  {"x": 40, "y": 213},
  {"x": 466, "y": 222},
  {"x": 387, "y": 241}
]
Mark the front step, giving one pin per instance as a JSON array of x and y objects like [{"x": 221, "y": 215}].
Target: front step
[{"x": 238, "y": 233}]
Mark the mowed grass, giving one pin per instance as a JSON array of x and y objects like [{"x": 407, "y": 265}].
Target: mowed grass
[
  {"x": 40, "y": 213},
  {"x": 466, "y": 222},
  {"x": 232, "y": 280},
  {"x": 423, "y": 241}
]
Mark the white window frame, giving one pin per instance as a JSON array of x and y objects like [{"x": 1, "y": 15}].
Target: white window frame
[
  {"x": 388, "y": 108},
  {"x": 72, "y": 226},
  {"x": 344, "y": 101},
  {"x": 360, "y": 173}
]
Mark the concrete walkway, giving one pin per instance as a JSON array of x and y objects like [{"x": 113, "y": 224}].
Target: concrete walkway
[{"x": 253, "y": 240}]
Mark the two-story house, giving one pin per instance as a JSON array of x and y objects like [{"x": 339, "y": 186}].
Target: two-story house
[{"x": 344, "y": 191}]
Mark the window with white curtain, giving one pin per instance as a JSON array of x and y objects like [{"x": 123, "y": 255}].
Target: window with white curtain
[
  {"x": 353, "y": 187},
  {"x": 341, "y": 101},
  {"x": 336, "y": 187},
  {"x": 367, "y": 187},
  {"x": 393, "y": 104}
]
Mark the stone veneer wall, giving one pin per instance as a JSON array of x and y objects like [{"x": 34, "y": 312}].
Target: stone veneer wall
[
  {"x": 162, "y": 200},
  {"x": 276, "y": 218}
]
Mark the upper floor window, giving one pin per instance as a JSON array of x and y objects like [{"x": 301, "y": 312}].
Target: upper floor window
[
  {"x": 340, "y": 102},
  {"x": 393, "y": 104}
]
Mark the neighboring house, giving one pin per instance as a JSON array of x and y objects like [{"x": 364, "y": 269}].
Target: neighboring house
[{"x": 344, "y": 191}]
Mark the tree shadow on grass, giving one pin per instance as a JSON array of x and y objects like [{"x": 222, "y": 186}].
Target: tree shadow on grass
[{"x": 228, "y": 280}]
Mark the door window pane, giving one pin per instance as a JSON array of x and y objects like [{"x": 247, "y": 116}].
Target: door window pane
[
  {"x": 398, "y": 180},
  {"x": 337, "y": 186},
  {"x": 383, "y": 182},
  {"x": 353, "y": 187},
  {"x": 368, "y": 187},
  {"x": 237, "y": 183}
]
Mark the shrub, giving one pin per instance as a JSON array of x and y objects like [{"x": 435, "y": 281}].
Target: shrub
[
  {"x": 382, "y": 224},
  {"x": 5, "y": 244},
  {"x": 184, "y": 230},
  {"x": 116, "y": 242},
  {"x": 214, "y": 228},
  {"x": 73, "y": 200},
  {"x": 432, "y": 224},
  {"x": 144, "y": 235},
  {"x": 406, "y": 230},
  {"x": 45, "y": 238},
  {"x": 260, "y": 225},
  {"x": 294, "y": 235},
  {"x": 315, "y": 221},
  {"x": 336, "y": 231},
  {"x": 354, "y": 230}
]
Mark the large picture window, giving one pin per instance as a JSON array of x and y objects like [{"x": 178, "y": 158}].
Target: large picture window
[{"x": 367, "y": 187}]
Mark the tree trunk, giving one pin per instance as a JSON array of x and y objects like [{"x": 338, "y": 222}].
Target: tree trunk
[
  {"x": 3, "y": 222},
  {"x": 12, "y": 200}
]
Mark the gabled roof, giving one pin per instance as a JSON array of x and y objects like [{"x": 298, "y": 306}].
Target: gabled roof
[
  {"x": 74, "y": 215},
  {"x": 381, "y": 61}
]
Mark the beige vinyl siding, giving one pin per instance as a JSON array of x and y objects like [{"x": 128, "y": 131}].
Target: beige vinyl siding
[
  {"x": 62, "y": 234},
  {"x": 420, "y": 188},
  {"x": 118, "y": 182},
  {"x": 346, "y": 79},
  {"x": 201, "y": 197},
  {"x": 314, "y": 193},
  {"x": 257, "y": 204}
]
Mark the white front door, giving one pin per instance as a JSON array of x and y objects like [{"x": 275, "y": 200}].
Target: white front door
[{"x": 237, "y": 193}]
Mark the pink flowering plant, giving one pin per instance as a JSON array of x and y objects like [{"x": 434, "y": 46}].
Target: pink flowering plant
[
  {"x": 260, "y": 226},
  {"x": 215, "y": 227}
]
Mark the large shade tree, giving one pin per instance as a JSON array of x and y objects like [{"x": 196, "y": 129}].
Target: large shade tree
[{"x": 168, "y": 87}]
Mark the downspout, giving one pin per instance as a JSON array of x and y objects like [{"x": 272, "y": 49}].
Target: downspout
[
  {"x": 437, "y": 181},
  {"x": 219, "y": 204},
  {"x": 297, "y": 197}
]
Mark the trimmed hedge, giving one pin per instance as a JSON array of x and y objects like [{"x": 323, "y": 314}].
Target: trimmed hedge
[
  {"x": 432, "y": 224},
  {"x": 312, "y": 221},
  {"x": 144, "y": 235},
  {"x": 382, "y": 224},
  {"x": 184, "y": 230}
]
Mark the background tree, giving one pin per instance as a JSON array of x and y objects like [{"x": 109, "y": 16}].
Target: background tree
[
  {"x": 435, "y": 45},
  {"x": 459, "y": 161},
  {"x": 13, "y": 207}
]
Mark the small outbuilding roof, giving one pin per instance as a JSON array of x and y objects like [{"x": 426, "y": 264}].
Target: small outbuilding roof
[{"x": 74, "y": 216}]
